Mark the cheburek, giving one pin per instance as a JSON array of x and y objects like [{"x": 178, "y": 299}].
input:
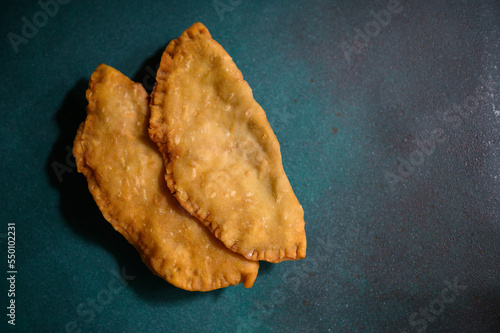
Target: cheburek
[
  {"x": 223, "y": 161},
  {"x": 125, "y": 174}
]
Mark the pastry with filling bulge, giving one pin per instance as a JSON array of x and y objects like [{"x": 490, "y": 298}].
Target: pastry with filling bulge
[
  {"x": 223, "y": 160},
  {"x": 125, "y": 174}
]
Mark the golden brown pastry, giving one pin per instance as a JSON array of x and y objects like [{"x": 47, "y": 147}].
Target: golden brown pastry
[
  {"x": 223, "y": 161},
  {"x": 125, "y": 173}
]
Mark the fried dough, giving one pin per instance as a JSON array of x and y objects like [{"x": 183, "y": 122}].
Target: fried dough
[
  {"x": 223, "y": 161},
  {"x": 125, "y": 173}
]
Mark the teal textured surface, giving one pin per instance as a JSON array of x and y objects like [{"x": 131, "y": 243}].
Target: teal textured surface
[{"x": 388, "y": 118}]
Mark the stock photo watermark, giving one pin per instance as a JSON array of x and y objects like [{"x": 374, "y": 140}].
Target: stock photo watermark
[
  {"x": 406, "y": 166},
  {"x": 284, "y": 118},
  {"x": 222, "y": 7},
  {"x": 420, "y": 320},
  {"x": 149, "y": 80},
  {"x": 452, "y": 119},
  {"x": 87, "y": 311},
  {"x": 68, "y": 166},
  {"x": 372, "y": 29},
  {"x": 31, "y": 27},
  {"x": 11, "y": 273},
  {"x": 292, "y": 280}
]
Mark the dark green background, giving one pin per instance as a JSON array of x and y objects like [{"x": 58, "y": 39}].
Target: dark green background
[{"x": 380, "y": 249}]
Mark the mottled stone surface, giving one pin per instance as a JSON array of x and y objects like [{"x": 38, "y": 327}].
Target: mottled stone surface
[{"x": 389, "y": 131}]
